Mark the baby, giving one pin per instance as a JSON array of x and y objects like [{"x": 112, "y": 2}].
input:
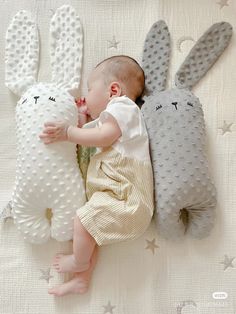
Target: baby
[{"x": 119, "y": 184}]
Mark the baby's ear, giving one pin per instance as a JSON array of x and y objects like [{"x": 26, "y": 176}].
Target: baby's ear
[
  {"x": 66, "y": 48},
  {"x": 22, "y": 49},
  {"x": 115, "y": 89}
]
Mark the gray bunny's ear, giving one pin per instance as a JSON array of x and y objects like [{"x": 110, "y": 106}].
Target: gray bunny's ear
[
  {"x": 203, "y": 55},
  {"x": 156, "y": 55},
  {"x": 66, "y": 44},
  {"x": 22, "y": 50}
]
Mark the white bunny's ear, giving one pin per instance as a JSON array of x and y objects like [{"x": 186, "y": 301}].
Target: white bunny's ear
[
  {"x": 22, "y": 48},
  {"x": 66, "y": 48}
]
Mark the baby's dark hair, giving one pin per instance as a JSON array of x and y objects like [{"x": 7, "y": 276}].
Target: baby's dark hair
[{"x": 127, "y": 70}]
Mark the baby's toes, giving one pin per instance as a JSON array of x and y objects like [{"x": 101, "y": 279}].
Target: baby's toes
[
  {"x": 59, "y": 255},
  {"x": 57, "y": 258},
  {"x": 54, "y": 292},
  {"x": 57, "y": 268},
  {"x": 56, "y": 264},
  {"x": 83, "y": 290}
]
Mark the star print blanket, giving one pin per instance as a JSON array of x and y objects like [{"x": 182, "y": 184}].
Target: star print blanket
[{"x": 151, "y": 274}]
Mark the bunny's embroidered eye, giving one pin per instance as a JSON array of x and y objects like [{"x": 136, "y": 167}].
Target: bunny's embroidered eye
[
  {"x": 158, "y": 107},
  {"x": 24, "y": 101},
  {"x": 190, "y": 104},
  {"x": 51, "y": 98},
  {"x": 36, "y": 98}
]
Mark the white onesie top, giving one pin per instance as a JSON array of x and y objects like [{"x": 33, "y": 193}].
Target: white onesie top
[
  {"x": 133, "y": 142},
  {"x": 119, "y": 183}
]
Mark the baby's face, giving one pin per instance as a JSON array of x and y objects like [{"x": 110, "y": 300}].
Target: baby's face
[{"x": 98, "y": 94}]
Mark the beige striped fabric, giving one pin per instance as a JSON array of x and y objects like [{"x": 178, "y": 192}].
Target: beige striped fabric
[{"x": 120, "y": 197}]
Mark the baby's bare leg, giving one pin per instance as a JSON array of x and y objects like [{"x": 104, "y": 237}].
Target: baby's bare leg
[
  {"x": 80, "y": 282},
  {"x": 83, "y": 247}
]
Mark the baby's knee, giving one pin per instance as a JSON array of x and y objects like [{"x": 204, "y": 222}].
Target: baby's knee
[{"x": 77, "y": 223}]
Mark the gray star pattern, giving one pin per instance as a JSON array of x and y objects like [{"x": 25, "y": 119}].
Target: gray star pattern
[
  {"x": 228, "y": 262},
  {"x": 151, "y": 245},
  {"x": 223, "y": 3},
  {"x": 6, "y": 212},
  {"x": 113, "y": 43},
  {"x": 226, "y": 127},
  {"x": 108, "y": 308},
  {"x": 46, "y": 275}
]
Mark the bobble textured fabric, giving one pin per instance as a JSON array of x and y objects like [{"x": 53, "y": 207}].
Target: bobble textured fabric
[
  {"x": 49, "y": 187},
  {"x": 176, "y": 128}
]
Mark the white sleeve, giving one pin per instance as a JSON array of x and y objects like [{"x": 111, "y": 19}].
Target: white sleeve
[
  {"x": 91, "y": 124},
  {"x": 127, "y": 116}
]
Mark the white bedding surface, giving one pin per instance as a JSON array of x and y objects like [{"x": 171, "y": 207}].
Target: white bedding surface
[{"x": 129, "y": 278}]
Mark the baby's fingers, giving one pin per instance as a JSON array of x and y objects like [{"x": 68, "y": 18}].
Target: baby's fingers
[
  {"x": 50, "y": 130},
  {"x": 46, "y": 124},
  {"x": 46, "y": 135},
  {"x": 43, "y": 135},
  {"x": 46, "y": 139}
]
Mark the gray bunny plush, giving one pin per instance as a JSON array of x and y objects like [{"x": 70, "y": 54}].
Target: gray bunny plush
[{"x": 185, "y": 195}]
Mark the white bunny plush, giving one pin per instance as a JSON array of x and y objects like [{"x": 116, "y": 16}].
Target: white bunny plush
[
  {"x": 176, "y": 127},
  {"x": 48, "y": 178}
]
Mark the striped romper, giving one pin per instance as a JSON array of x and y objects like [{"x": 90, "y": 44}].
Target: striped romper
[{"x": 119, "y": 183}]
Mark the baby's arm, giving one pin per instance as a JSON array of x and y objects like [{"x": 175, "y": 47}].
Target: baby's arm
[{"x": 103, "y": 136}]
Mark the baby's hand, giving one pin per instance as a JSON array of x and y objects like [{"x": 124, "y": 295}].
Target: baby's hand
[
  {"x": 54, "y": 131},
  {"x": 83, "y": 112}
]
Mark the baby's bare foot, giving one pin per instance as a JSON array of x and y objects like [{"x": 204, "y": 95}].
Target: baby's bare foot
[
  {"x": 67, "y": 263},
  {"x": 79, "y": 284},
  {"x": 74, "y": 286}
]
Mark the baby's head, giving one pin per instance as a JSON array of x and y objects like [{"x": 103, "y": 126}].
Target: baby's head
[{"x": 113, "y": 77}]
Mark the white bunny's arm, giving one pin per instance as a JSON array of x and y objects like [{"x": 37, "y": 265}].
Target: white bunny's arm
[
  {"x": 66, "y": 46},
  {"x": 21, "y": 58}
]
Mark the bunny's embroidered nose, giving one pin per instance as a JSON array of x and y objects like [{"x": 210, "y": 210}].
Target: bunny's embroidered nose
[
  {"x": 36, "y": 98},
  {"x": 175, "y": 104}
]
